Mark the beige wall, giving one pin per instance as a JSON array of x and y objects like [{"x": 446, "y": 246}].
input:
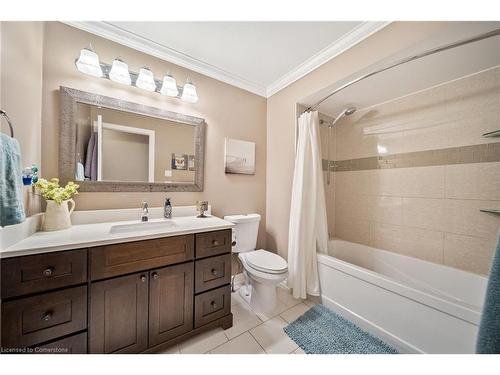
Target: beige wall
[
  {"x": 429, "y": 212},
  {"x": 21, "y": 91},
  {"x": 229, "y": 112}
]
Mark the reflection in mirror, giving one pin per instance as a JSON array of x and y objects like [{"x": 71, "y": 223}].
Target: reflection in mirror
[{"x": 120, "y": 146}]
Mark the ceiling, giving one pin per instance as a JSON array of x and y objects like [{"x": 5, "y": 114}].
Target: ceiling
[{"x": 261, "y": 57}]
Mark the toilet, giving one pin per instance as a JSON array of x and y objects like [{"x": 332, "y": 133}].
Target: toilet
[{"x": 263, "y": 270}]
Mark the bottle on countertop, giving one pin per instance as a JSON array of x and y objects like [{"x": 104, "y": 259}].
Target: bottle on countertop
[{"x": 167, "y": 209}]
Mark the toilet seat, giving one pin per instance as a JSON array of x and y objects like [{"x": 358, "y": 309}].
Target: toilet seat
[{"x": 267, "y": 262}]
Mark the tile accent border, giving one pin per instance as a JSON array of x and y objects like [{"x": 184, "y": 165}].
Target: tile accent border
[{"x": 482, "y": 153}]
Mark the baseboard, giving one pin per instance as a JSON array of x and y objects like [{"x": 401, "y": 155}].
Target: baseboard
[{"x": 401, "y": 345}]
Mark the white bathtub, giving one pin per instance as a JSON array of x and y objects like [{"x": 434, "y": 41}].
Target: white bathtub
[{"x": 417, "y": 306}]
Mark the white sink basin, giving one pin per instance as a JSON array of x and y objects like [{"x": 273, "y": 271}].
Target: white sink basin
[{"x": 142, "y": 226}]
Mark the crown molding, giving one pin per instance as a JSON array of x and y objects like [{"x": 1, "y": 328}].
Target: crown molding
[
  {"x": 339, "y": 46},
  {"x": 126, "y": 38},
  {"x": 129, "y": 39}
]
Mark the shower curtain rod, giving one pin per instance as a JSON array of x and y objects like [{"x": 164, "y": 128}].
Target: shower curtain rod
[{"x": 404, "y": 61}]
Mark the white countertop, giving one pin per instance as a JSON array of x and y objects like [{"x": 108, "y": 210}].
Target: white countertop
[{"x": 88, "y": 235}]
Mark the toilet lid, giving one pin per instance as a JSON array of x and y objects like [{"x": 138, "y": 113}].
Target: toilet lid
[{"x": 265, "y": 261}]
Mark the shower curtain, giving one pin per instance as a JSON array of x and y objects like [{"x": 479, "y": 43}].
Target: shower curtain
[{"x": 308, "y": 231}]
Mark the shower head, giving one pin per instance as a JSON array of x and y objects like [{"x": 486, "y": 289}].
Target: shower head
[
  {"x": 349, "y": 111},
  {"x": 346, "y": 112}
]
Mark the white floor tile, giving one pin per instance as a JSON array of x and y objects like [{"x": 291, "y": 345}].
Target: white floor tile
[
  {"x": 243, "y": 320},
  {"x": 286, "y": 297},
  {"x": 299, "y": 351},
  {"x": 291, "y": 314},
  {"x": 280, "y": 307},
  {"x": 203, "y": 342},
  {"x": 243, "y": 344},
  {"x": 272, "y": 338}
]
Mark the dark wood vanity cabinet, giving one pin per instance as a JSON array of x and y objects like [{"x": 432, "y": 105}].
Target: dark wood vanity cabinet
[
  {"x": 119, "y": 259},
  {"x": 33, "y": 320},
  {"x": 137, "y": 297},
  {"x": 119, "y": 315},
  {"x": 170, "y": 302},
  {"x": 38, "y": 273}
]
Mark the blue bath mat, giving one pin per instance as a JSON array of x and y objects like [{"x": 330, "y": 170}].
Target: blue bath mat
[{"x": 321, "y": 331}]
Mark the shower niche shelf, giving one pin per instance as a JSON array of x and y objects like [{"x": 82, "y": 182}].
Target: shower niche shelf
[
  {"x": 493, "y": 134},
  {"x": 490, "y": 211}
]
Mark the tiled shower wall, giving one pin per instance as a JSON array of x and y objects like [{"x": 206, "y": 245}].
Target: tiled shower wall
[{"x": 407, "y": 179}]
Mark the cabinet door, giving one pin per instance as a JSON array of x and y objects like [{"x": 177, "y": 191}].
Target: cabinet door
[
  {"x": 119, "y": 315},
  {"x": 170, "y": 302}
]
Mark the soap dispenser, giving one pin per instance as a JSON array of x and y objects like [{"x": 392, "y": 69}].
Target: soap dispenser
[{"x": 167, "y": 209}]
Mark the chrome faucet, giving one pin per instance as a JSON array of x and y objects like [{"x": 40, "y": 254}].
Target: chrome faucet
[{"x": 145, "y": 212}]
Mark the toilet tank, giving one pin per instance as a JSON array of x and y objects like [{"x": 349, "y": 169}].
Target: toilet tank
[{"x": 245, "y": 231}]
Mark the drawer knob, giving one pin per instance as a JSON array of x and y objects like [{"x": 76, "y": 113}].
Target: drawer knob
[
  {"x": 213, "y": 304},
  {"x": 215, "y": 243},
  {"x": 48, "y": 272},
  {"x": 47, "y": 316},
  {"x": 233, "y": 243},
  {"x": 156, "y": 276},
  {"x": 213, "y": 271},
  {"x": 143, "y": 278}
]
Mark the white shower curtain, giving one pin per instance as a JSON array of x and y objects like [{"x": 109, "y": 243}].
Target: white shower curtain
[{"x": 308, "y": 230}]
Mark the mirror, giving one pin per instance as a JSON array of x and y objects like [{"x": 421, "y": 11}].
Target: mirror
[{"x": 111, "y": 145}]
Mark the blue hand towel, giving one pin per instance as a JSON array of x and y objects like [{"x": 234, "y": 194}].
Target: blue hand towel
[
  {"x": 11, "y": 193},
  {"x": 488, "y": 341}
]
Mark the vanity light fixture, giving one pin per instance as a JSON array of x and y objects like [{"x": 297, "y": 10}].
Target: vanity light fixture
[
  {"x": 145, "y": 80},
  {"x": 119, "y": 72},
  {"x": 189, "y": 93},
  {"x": 88, "y": 63},
  {"x": 169, "y": 86}
]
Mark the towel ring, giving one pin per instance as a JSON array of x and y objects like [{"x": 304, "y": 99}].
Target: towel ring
[{"x": 2, "y": 112}]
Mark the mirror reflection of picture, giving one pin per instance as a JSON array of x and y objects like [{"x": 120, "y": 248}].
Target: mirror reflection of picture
[
  {"x": 239, "y": 156},
  {"x": 179, "y": 161}
]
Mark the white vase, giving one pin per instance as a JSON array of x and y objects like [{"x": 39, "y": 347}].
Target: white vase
[{"x": 57, "y": 216}]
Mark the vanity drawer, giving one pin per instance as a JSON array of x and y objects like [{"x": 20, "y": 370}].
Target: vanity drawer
[
  {"x": 76, "y": 344},
  {"x": 212, "y": 272},
  {"x": 120, "y": 259},
  {"x": 213, "y": 243},
  {"x": 37, "y": 273},
  {"x": 32, "y": 320},
  {"x": 212, "y": 305}
]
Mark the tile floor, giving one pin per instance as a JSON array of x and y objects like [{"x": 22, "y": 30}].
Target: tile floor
[{"x": 251, "y": 333}]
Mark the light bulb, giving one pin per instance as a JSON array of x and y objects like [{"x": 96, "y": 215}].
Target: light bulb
[
  {"x": 119, "y": 72},
  {"x": 169, "y": 86},
  {"x": 145, "y": 80},
  {"x": 189, "y": 93},
  {"x": 88, "y": 63}
]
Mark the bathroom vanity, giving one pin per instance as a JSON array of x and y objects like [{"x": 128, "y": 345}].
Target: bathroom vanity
[
  {"x": 111, "y": 283},
  {"x": 122, "y": 293}
]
